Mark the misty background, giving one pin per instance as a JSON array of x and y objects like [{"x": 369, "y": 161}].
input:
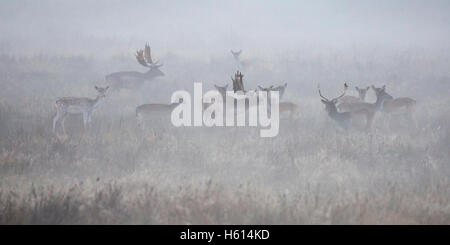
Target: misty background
[
  {"x": 205, "y": 28},
  {"x": 313, "y": 172}
]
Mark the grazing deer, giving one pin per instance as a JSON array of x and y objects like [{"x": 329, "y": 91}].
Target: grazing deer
[
  {"x": 77, "y": 105},
  {"x": 158, "y": 111},
  {"x": 399, "y": 105},
  {"x": 134, "y": 79}
]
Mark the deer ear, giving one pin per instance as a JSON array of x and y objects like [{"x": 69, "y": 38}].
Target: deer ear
[{"x": 324, "y": 101}]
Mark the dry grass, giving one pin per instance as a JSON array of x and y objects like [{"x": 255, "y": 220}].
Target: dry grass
[{"x": 311, "y": 173}]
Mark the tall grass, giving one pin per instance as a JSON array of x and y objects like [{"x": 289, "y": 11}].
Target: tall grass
[{"x": 311, "y": 173}]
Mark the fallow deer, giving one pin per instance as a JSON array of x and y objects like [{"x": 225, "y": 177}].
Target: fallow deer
[
  {"x": 236, "y": 54},
  {"x": 77, "y": 105},
  {"x": 344, "y": 104},
  {"x": 399, "y": 105},
  {"x": 284, "y": 107},
  {"x": 156, "y": 111},
  {"x": 344, "y": 118},
  {"x": 368, "y": 108},
  {"x": 135, "y": 79}
]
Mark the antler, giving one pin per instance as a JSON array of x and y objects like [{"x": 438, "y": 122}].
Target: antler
[
  {"x": 144, "y": 57},
  {"x": 140, "y": 58},
  {"x": 323, "y": 97},
  {"x": 238, "y": 84},
  {"x": 148, "y": 56},
  {"x": 345, "y": 90}
]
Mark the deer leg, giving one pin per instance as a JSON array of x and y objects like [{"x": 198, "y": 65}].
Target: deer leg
[
  {"x": 139, "y": 120},
  {"x": 85, "y": 120},
  {"x": 62, "y": 125},
  {"x": 89, "y": 120},
  {"x": 55, "y": 120},
  {"x": 369, "y": 121}
]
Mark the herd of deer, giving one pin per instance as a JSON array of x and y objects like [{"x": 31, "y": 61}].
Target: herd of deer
[{"x": 341, "y": 109}]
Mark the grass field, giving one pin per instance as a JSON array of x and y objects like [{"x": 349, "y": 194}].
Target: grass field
[{"x": 311, "y": 173}]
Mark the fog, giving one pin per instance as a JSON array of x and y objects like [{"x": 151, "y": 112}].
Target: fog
[
  {"x": 205, "y": 28},
  {"x": 119, "y": 170}
]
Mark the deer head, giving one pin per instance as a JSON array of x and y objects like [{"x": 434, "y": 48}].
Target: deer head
[
  {"x": 330, "y": 105},
  {"x": 236, "y": 54},
  {"x": 101, "y": 91},
  {"x": 362, "y": 92},
  {"x": 222, "y": 89},
  {"x": 381, "y": 92}
]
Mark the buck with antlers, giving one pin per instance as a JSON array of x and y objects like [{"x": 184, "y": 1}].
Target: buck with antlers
[
  {"x": 135, "y": 79},
  {"x": 77, "y": 105},
  {"x": 369, "y": 109},
  {"x": 345, "y": 103},
  {"x": 344, "y": 118}
]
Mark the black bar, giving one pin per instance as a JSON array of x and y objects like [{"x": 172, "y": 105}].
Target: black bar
[{"x": 239, "y": 234}]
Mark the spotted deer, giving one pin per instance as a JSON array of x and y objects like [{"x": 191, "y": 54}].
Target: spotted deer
[{"x": 77, "y": 105}]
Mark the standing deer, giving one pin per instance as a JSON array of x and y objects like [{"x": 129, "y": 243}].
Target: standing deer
[
  {"x": 155, "y": 112},
  {"x": 284, "y": 107},
  {"x": 344, "y": 118},
  {"x": 280, "y": 89},
  {"x": 77, "y": 105},
  {"x": 370, "y": 108},
  {"x": 345, "y": 102},
  {"x": 398, "y": 105},
  {"x": 236, "y": 54},
  {"x": 135, "y": 79}
]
